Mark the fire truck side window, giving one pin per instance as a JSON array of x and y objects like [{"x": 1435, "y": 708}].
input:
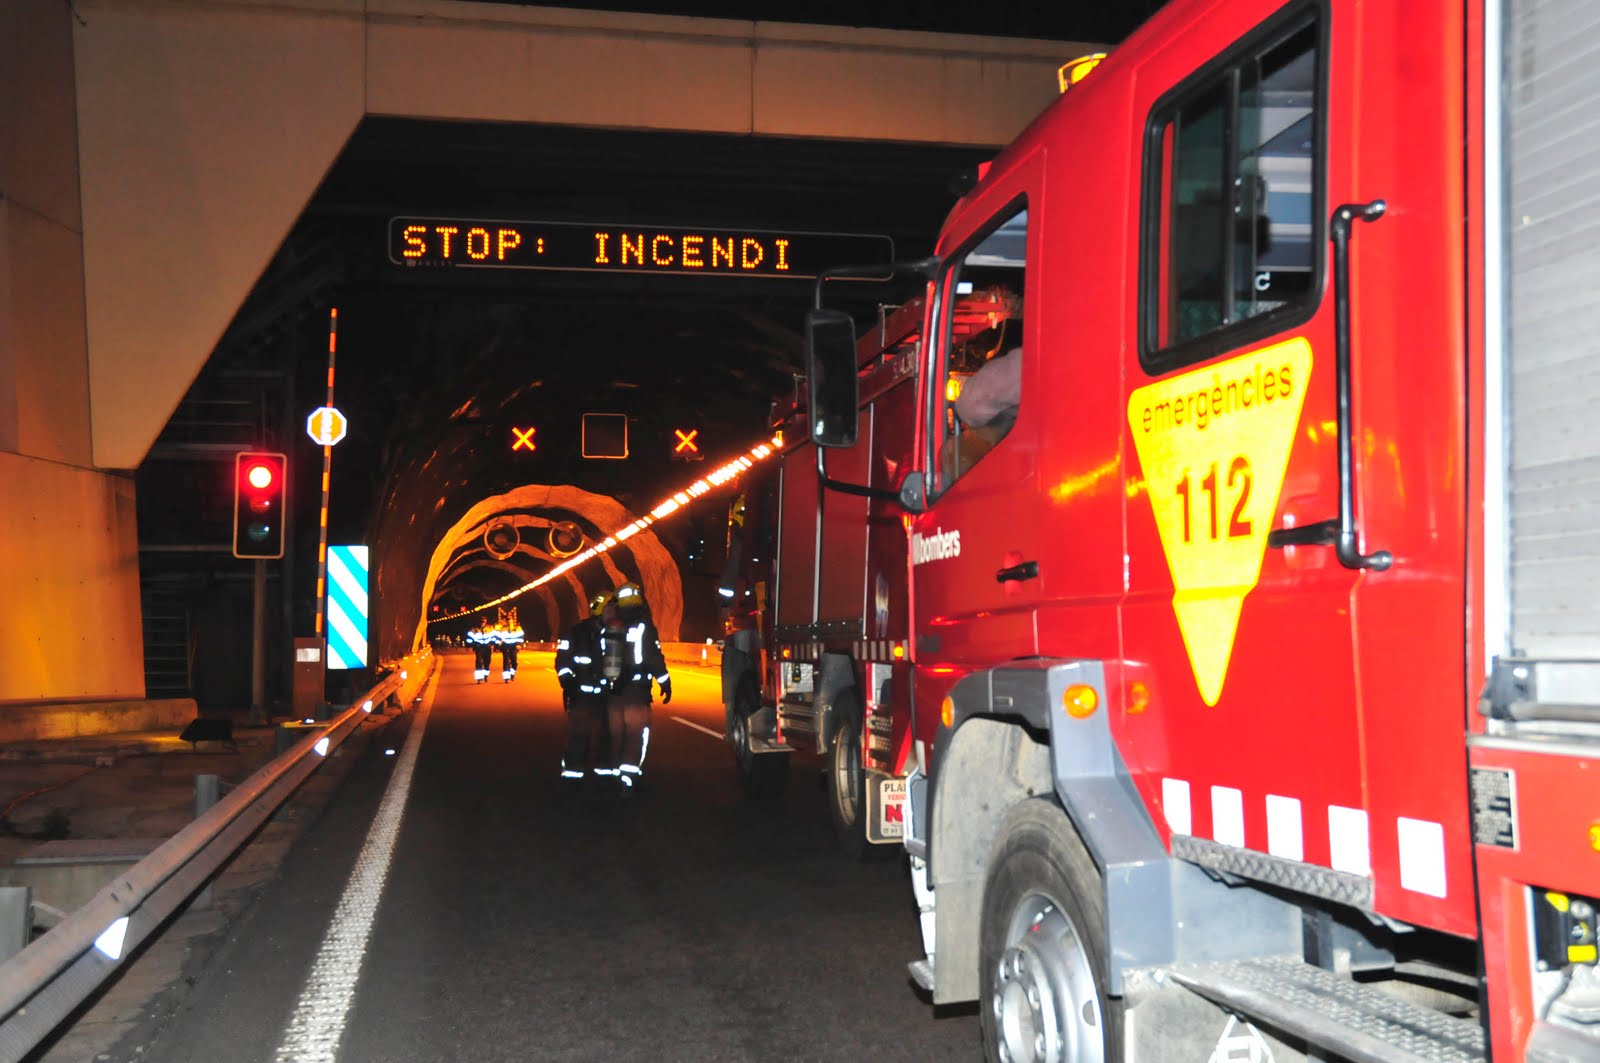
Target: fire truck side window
[
  {"x": 983, "y": 353},
  {"x": 1230, "y": 199}
]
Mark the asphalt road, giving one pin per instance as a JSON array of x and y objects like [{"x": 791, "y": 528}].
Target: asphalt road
[{"x": 520, "y": 922}]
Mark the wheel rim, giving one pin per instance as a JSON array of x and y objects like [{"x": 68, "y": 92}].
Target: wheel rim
[
  {"x": 846, "y": 772},
  {"x": 1046, "y": 1007}
]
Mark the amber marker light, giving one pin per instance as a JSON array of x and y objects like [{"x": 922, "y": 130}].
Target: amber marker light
[
  {"x": 952, "y": 389},
  {"x": 1080, "y": 701},
  {"x": 947, "y": 711},
  {"x": 899, "y": 652},
  {"x": 1594, "y": 837},
  {"x": 1071, "y": 73},
  {"x": 1138, "y": 697}
]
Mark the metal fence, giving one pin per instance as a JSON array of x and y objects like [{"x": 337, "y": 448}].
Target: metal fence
[{"x": 45, "y": 982}]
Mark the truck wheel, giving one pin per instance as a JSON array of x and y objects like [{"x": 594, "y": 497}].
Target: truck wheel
[
  {"x": 1043, "y": 955},
  {"x": 762, "y": 776},
  {"x": 847, "y": 797}
]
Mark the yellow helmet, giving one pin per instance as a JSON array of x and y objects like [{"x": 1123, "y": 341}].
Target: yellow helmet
[
  {"x": 629, "y": 594},
  {"x": 598, "y": 603}
]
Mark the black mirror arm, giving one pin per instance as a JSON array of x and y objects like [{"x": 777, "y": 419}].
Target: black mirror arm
[
  {"x": 846, "y": 488},
  {"x": 925, "y": 266}
]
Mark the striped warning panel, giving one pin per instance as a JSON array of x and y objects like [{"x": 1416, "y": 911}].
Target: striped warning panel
[{"x": 347, "y": 607}]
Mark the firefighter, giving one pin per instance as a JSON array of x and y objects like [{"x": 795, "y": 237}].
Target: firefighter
[
  {"x": 631, "y": 660},
  {"x": 482, "y": 642},
  {"x": 583, "y": 689},
  {"x": 510, "y": 638}
]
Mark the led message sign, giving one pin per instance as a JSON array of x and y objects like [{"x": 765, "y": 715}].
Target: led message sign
[{"x": 628, "y": 248}]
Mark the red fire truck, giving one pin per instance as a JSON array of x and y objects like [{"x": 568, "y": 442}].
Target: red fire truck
[
  {"x": 1253, "y": 621},
  {"x": 816, "y": 658}
]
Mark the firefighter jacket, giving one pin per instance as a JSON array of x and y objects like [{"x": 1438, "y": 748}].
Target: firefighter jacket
[
  {"x": 480, "y": 637},
  {"x": 578, "y": 659},
  {"x": 511, "y": 637},
  {"x": 630, "y": 655}
]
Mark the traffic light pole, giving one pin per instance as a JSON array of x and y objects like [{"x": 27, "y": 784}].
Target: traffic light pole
[{"x": 258, "y": 646}]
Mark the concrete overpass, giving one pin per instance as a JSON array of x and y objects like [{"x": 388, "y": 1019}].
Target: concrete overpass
[{"x": 154, "y": 153}]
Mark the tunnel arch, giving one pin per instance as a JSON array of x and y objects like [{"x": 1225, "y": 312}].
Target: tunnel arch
[{"x": 658, "y": 572}]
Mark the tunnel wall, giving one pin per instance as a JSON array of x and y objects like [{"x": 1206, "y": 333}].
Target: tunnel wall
[{"x": 69, "y": 568}]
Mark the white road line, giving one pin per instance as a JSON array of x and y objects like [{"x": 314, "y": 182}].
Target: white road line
[
  {"x": 703, "y": 730},
  {"x": 317, "y": 1025}
]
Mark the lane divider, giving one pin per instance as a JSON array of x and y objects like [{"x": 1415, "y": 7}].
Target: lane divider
[
  {"x": 703, "y": 730},
  {"x": 317, "y": 1025}
]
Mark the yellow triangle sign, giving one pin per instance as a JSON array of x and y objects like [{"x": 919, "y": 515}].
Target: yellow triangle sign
[{"x": 1214, "y": 445}]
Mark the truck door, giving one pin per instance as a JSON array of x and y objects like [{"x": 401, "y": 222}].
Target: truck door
[
  {"x": 1294, "y": 450},
  {"x": 972, "y": 546}
]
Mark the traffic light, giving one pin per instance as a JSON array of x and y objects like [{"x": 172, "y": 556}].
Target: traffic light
[{"x": 259, "y": 484}]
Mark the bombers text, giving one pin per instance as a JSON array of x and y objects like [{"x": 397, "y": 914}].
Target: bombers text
[{"x": 935, "y": 547}]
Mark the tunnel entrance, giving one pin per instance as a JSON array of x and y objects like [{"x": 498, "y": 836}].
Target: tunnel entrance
[{"x": 466, "y": 388}]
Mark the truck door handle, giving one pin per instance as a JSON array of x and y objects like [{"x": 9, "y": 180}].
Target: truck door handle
[
  {"x": 1018, "y": 573},
  {"x": 1346, "y": 542}
]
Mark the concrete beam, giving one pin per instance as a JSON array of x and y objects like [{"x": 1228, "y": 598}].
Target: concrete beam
[{"x": 205, "y": 126}]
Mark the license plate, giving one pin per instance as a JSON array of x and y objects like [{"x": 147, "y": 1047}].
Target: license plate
[{"x": 886, "y": 822}]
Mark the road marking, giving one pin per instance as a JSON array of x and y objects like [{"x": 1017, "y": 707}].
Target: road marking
[
  {"x": 703, "y": 730},
  {"x": 317, "y": 1025}
]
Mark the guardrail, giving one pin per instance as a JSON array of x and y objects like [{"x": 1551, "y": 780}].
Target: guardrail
[{"x": 41, "y": 985}]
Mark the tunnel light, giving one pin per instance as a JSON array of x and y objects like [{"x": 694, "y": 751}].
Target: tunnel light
[
  {"x": 671, "y": 504},
  {"x": 322, "y": 746},
  {"x": 367, "y": 705},
  {"x": 388, "y": 752}
]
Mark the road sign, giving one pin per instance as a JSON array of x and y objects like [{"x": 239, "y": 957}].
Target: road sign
[
  {"x": 326, "y": 425},
  {"x": 347, "y": 607},
  {"x": 686, "y": 445},
  {"x": 522, "y": 439}
]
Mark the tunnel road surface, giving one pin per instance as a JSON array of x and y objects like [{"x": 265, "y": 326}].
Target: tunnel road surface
[{"x": 521, "y": 922}]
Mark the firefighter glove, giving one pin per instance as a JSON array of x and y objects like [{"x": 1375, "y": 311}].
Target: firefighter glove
[{"x": 666, "y": 690}]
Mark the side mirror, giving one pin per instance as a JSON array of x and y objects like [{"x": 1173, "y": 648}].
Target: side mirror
[
  {"x": 831, "y": 377},
  {"x": 914, "y": 492}
]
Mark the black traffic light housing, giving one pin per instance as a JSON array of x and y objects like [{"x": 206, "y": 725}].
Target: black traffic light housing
[{"x": 260, "y": 483}]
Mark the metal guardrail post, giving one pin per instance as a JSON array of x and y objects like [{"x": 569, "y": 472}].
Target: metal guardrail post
[
  {"x": 16, "y": 920},
  {"x": 207, "y": 790}
]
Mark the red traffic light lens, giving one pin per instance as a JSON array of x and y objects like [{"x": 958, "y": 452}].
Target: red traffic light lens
[{"x": 260, "y": 477}]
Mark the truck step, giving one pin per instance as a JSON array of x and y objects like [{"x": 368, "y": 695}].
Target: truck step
[{"x": 1357, "y": 1021}]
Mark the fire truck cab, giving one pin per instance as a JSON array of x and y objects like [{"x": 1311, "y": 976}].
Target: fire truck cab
[
  {"x": 1255, "y": 654},
  {"x": 814, "y": 593}
]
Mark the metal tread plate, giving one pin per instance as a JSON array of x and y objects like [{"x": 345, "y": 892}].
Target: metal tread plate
[
  {"x": 1338, "y": 886},
  {"x": 1358, "y": 1021}
]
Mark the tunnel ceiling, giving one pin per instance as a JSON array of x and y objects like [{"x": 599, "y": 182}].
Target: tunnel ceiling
[{"x": 1064, "y": 20}]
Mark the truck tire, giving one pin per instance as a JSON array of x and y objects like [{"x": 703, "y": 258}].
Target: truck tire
[
  {"x": 847, "y": 797},
  {"x": 1042, "y": 946},
  {"x": 762, "y": 776}
]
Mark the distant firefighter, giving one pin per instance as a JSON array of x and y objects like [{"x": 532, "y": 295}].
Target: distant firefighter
[
  {"x": 583, "y": 688},
  {"x": 631, "y": 659},
  {"x": 481, "y": 639},
  {"x": 510, "y": 637}
]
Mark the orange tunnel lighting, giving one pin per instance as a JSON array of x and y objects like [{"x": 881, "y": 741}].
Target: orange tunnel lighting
[{"x": 669, "y": 505}]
